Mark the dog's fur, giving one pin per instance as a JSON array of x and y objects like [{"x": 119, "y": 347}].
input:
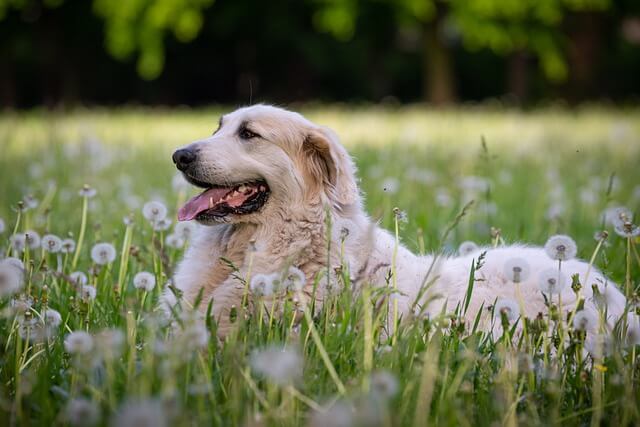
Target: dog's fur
[{"x": 310, "y": 176}]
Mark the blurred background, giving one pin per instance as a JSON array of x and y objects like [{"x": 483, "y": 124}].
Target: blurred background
[{"x": 66, "y": 53}]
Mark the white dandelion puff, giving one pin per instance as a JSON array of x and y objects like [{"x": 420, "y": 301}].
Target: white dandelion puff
[
  {"x": 52, "y": 318},
  {"x": 3, "y": 227},
  {"x": 10, "y": 279},
  {"x": 30, "y": 202},
  {"x": 78, "y": 342},
  {"x": 185, "y": 229},
  {"x": 390, "y": 185},
  {"x": 87, "y": 191},
  {"x": 443, "y": 198},
  {"x": 16, "y": 262},
  {"x": 517, "y": 270},
  {"x": 552, "y": 281},
  {"x": 509, "y": 307},
  {"x": 32, "y": 239},
  {"x": 51, "y": 243},
  {"x": 339, "y": 414},
  {"x": 78, "y": 278},
  {"x": 140, "y": 413},
  {"x": 195, "y": 334},
  {"x": 18, "y": 242},
  {"x": 261, "y": 285},
  {"x": 585, "y": 320},
  {"x": 279, "y": 365},
  {"x": 561, "y": 247},
  {"x": 467, "y": 248},
  {"x": 88, "y": 293},
  {"x": 154, "y": 211},
  {"x": 627, "y": 230},
  {"x": 81, "y": 412},
  {"x": 294, "y": 280},
  {"x": 633, "y": 330},
  {"x": 598, "y": 345},
  {"x": 617, "y": 215},
  {"x": 384, "y": 384},
  {"x": 68, "y": 246},
  {"x": 174, "y": 241},
  {"x": 109, "y": 343},
  {"x": 161, "y": 224},
  {"x": 103, "y": 253},
  {"x": 145, "y": 281}
]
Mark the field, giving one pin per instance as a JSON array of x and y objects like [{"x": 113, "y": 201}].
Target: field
[{"x": 531, "y": 175}]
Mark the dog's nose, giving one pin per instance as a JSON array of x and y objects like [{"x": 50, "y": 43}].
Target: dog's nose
[{"x": 184, "y": 157}]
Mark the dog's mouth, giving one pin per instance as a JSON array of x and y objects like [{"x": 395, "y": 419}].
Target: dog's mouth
[{"x": 216, "y": 202}]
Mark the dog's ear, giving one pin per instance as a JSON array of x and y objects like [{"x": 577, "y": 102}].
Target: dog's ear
[{"x": 332, "y": 167}]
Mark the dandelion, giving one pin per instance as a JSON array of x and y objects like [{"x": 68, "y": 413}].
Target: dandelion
[
  {"x": 443, "y": 198},
  {"x": 517, "y": 270},
  {"x": 584, "y": 321},
  {"x": 52, "y": 318},
  {"x": 68, "y": 246},
  {"x": 16, "y": 262},
  {"x": 552, "y": 281},
  {"x": 103, "y": 253},
  {"x": 600, "y": 235},
  {"x": 195, "y": 335},
  {"x": 280, "y": 365},
  {"x": 3, "y": 227},
  {"x": 88, "y": 293},
  {"x": 140, "y": 413},
  {"x": 18, "y": 242},
  {"x": 561, "y": 247},
  {"x": 401, "y": 216},
  {"x": 384, "y": 385},
  {"x": 598, "y": 345},
  {"x": 51, "y": 243},
  {"x": 82, "y": 412},
  {"x": 633, "y": 330},
  {"x": 154, "y": 211},
  {"x": 617, "y": 215},
  {"x": 185, "y": 229},
  {"x": 78, "y": 278},
  {"x": 508, "y": 307},
  {"x": 87, "y": 191},
  {"x": 30, "y": 328},
  {"x": 161, "y": 224},
  {"x": 10, "y": 278},
  {"x": 261, "y": 285},
  {"x": 128, "y": 220},
  {"x": 627, "y": 229},
  {"x": 78, "y": 342},
  {"x": 145, "y": 281},
  {"x": 30, "y": 202},
  {"x": 467, "y": 248},
  {"x": 32, "y": 239},
  {"x": 390, "y": 185},
  {"x": 21, "y": 305},
  {"x": 294, "y": 280},
  {"x": 109, "y": 343},
  {"x": 174, "y": 241}
]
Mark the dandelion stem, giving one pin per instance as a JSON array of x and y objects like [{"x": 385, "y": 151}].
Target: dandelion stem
[
  {"x": 124, "y": 257},
  {"x": 83, "y": 226}
]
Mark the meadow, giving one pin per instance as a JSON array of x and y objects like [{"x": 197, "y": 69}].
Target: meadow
[{"x": 83, "y": 343}]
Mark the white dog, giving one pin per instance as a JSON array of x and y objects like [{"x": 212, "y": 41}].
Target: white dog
[{"x": 271, "y": 178}]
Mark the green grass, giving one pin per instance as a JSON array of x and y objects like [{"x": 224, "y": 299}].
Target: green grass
[{"x": 538, "y": 174}]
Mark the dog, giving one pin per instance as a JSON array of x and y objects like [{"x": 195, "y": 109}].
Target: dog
[{"x": 280, "y": 191}]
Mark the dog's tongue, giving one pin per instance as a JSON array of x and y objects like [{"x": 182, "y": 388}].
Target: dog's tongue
[{"x": 201, "y": 203}]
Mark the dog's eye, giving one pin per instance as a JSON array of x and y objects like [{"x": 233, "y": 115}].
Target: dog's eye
[{"x": 245, "y": 133}]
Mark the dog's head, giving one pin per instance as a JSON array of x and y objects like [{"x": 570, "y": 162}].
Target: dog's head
[{"x": 263, "y": 161}]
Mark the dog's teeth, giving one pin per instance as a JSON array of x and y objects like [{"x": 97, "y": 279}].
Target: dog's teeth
[
  {"x": 210, "y": 202},
  {"x": 242, "y": 188}
]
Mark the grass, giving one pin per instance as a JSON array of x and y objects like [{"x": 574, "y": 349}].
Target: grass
[{"x": 531, "y": 175}]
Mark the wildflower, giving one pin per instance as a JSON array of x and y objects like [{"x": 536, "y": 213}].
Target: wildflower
[
  {"x": 443, "y": 198},
  {"x": 30, "y": 202},
  {"x": 555, "y": 210},
  {"x": 517, "y": 270},
  {"x": 78, "y": 278},
  {"x": 401, "y": 216},
  {"x": 384, "y": 385},
  {"x": 88, "y": 293},
  {"x": 174, "y": 241},
  {"x": 103, "y": 253},
  {"x": 161, "y": 224},
  {"x": 617, "y": 215},
  {"x": 600, "y": 235},
  {"x": 390, "y": 185},
  {"x": 32, "y": 239},
  {"x": 508, "y": 307},
  {"x": 10, "y": 278},
  {"x": 552, "y": 281},
  {"x": 561, "y": 247},
  {"x": 109, "y": 343},
  {"x": 261, "y": 285},
  {"x": 339, "y": 414},
  {"x": 144, "y": 280},
  {"x": 604, "y": 294},
  {"x": 82, "y": 412},
  {"x": 185, "y": 229},
  {"x": 21, "y": 305},
  {"x": 195, "y": 334},
  {"x": 598, "y": 345},
  {"x": 2, "y": 226},
  {"x": 467, "y": 248},
  {"x": 633, "y": 329},
  {"x": 51, "y": 243},
  {"x": 78, "y": 342},
  {"x": 584, "y": 320},
  {"x": 280, "y": 365},
  {"x": 627, "y": 229},
  {"x": 294, "y": 280},
  {"x": 68, "y": 246},
  {"x": 87, "y": 191},
  {"x": 140, "y": 413},
  {"x": 154, "y": 211},
  {"x": 52, "y": 318},
  {"x": 18, "y": 242}
]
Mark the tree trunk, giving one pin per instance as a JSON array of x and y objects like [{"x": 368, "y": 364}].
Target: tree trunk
[
  {"x": 518, "y": 76},
  {"x": 437, "y": 72}
]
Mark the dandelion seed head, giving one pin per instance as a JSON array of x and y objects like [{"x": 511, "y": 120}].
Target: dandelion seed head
[
  {"x": 3, "y": 227},
  {"x": 509, "y": 307},
  {"x": 68, "y": 246},
  {"x": 194, "y": 335},
  {"x": 10, "y": 278},
  {"x": 109, "y": 343},
  {"x": 87, "y": 191},
  {"x": 174, "y": 241},
  {"x": 145, "y": 281},
  {"x": 561, "y": 247},
  {"x": 18, "y": 242},
  {"x": 32, "y": 239},
  {"x": 617, "y": 215},
  {"x": 585, "y": 320},
  {"x": 161, "y": 224},
  {"x": 185, "y": 229},
  {"x": 261, "y": 285},
  {"x": 30, "y": 202},
  {"x": 443, "y": 198},
  {"x": 598, "y": 345},
  {"x": 294, "y": 280},
  {"x": 78, "y": 278},
  {"x": 51, "y": 243},
  {"x": 467, "y": 248},
  {"x": 280, "y": 365},
  {"x": 552, "y": 281},
  {"x": 154, "y": 211},
  {"x": 340, "y": 414},
  {"x": 626, "y": 229},
  {"x": 384, "y": 384},
  {"x": 88, "y": 293},
  {"x": 600, "y": 235},
  {"x": 140, "y": 413},
  {"x": 78, "y": 343},
  {"x": 390, "y": 185},
  {"x": 103, "y": 253},
  {"x": 517, "y": 270},
  {"x": 633, "y": 330},
  {"x": 52, "y": 318},
  {"x": 81, "y": 412}
]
